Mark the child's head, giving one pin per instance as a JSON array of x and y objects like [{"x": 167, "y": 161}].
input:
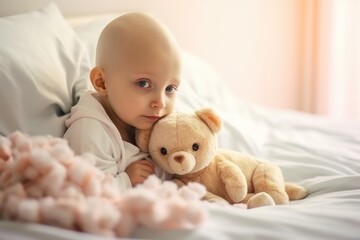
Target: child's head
[{"x": 137, "y": 70}]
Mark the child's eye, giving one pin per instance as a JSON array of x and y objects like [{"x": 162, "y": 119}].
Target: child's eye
[
  {"x": 170, "y": 88},
  {"x": 144, "y": 83}
]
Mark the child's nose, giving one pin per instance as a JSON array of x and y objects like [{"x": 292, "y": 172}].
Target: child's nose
[{"x": 159, "y": 101}]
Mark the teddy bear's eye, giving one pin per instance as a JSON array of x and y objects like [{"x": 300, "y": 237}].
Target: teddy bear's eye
[
  {"x": 163, "y": 151},
  {"x": 195, "y": 146}
]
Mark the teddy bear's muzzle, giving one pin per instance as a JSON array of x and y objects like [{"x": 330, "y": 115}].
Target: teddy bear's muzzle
[{"x": 182, "y": 162}]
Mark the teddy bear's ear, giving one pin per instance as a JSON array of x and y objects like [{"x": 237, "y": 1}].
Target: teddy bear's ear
[
  {"x": 211, "y": 119},
  {"x": 142, "y": 138}
]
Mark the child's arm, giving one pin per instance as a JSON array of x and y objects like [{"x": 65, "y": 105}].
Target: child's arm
[{"x": 92, "y": 137}]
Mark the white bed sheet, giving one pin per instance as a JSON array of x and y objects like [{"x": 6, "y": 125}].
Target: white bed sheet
[{"x": 321, "y": 154}]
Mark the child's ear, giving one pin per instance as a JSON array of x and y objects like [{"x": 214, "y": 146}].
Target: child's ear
[{"x": 97, "y": 75}]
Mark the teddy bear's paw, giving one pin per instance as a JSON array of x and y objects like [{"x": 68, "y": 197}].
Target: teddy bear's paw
[
  {"x": 237, "y": 194},
  {"x": 300, "y": 194},
  {"x": 280, "y": 197},
  {"x": 295, "y": 191},
  {"x": 212, "y": 198},
  {"x": 260, "y": 199}
]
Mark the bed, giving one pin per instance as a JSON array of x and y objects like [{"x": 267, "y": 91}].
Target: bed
[{"x": 44, "y": 64}]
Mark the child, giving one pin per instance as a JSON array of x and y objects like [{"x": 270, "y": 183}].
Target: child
[{"x": 136, "y": 77}]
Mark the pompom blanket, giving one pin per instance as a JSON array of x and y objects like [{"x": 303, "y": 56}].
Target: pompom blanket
[{"x": 43, "y": 181}]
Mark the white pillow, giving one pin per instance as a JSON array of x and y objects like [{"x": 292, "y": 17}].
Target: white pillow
[{"x": 43, "y": 69}]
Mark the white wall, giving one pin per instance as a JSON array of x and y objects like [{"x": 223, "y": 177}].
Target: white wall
[{"x": 253, "y": 44}]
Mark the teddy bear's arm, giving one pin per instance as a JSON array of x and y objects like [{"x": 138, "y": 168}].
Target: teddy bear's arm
[
  {"x": 233, "y": 179},
  {"x": 178, "y": 182}
]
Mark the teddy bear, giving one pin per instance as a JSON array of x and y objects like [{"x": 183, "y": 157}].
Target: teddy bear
[{"x": 185, "y": 145}]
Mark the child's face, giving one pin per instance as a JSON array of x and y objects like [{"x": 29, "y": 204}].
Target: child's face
[
  {"x": 142, "y": 86},
  {"x": 139, "y": 71}
]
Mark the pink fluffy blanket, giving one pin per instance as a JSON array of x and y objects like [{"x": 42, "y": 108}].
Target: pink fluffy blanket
[{"x": 42, "y": 181}]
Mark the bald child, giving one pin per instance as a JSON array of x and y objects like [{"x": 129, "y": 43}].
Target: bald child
[{"x": 136, "y": 77}]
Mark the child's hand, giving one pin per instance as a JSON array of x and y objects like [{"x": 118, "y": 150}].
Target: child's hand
[{"x": 138, "y": 171}]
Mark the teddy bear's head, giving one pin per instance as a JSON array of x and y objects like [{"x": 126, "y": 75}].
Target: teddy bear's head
[{"x": 182, "y": 143}]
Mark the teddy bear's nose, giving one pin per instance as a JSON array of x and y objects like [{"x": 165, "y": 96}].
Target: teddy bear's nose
[{"x": 179, "y": 158}]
